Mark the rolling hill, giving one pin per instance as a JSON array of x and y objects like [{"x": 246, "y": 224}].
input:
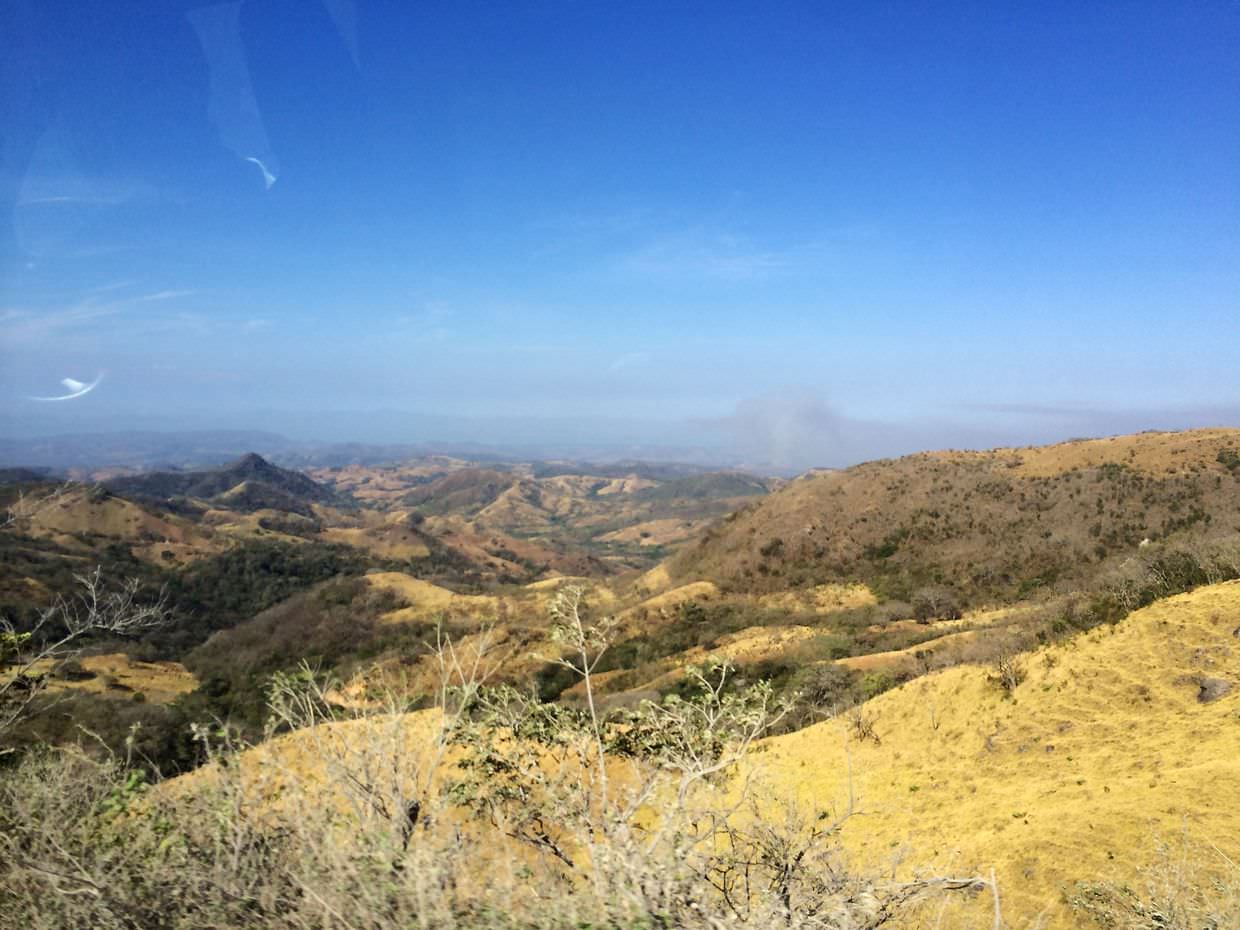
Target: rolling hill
[
  {"x": 991, "y": 526},
  {"x": 1065, "y": 784},
  {"x": 624, "y": 517},
  {"x": 1113, "y": 742}
]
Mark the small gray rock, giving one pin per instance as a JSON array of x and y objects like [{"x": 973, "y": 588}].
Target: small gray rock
[{"x": 1212, "y": 689}]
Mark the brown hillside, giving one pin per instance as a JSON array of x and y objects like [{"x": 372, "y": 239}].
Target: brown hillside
[
  {"x": 518, "y": 518},
  {"x": 466, "y": 491},
  {"x": 992, "y": 525}
]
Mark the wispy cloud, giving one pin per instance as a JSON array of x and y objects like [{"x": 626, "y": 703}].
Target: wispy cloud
[
  {"x": 185, "y": 321},
  {"x": 160, "y": 295},
  {"x": 723, "y": 256},
  {"x": 645, "y": 242},
  {"x": 85, "y": 200},
  {"x": 21, "y": 327},
  {"x": 73, "y": 189},
  {"x": 26, "y": 326},
  {"x": 113, "y": 286}
]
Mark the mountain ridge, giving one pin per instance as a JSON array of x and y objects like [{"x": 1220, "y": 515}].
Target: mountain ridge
[
  {"x": 992, "y": 525},
  {"x": 251, "y": 482}
]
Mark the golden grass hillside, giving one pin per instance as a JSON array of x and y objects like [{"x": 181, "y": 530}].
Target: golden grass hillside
[
  {"x": 1102, "y": 749},
  {"x": 117, "y": 675},
  {"x": 307, "y": 766},
  {"x": 662, "y": 532},
  {"x": 81, "y": 513},
  {"x": 1151, "y": 453},
  {"x": 427, "y": 600}
]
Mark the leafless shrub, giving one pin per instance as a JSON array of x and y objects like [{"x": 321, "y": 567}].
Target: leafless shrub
[
  {"x": 26, "y": 506},
  {"x": 1161, "y": 570},
  {"x": 1190, "y": 886},
  {"x": 491, "y": 811},
  {"x": 1008, "y": 672},
  {"x": 861, "y": 725},
  {"x": 57, "y": 633}
]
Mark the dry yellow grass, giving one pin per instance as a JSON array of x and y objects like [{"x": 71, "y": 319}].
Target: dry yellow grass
[
  {"x": 380, "y": 485},
  {"x": 655, "y": 532},
  {"x": 972, "y": 619},
  {"x": 537, "y": 595},
  {"x": 656, "y": 580},
  {"x": 116, "y": 675},
  {"x": 513, "y": 508},
  {"x": 486, "y": 546},
  {"x": 1152, "y": 453},
  {"x": 427, "y": 600},
  {"x": 750, "y": 645},
  {"x": 901, "y": 658},
  {"x": 79, "y": 510},
  {"x": 823, "y": 598},
  {"x": 307, "y": 766},
  {"x": 950, "y": 637},
  {"x": 1102, "y": 748},
  {"x": 555, "y": 583},
  {"x": 234, "y": 525},
  {"x": 694, "y": 591},
  {"x": 627, "y": 485},
  {"x": 391, "y": 542}
]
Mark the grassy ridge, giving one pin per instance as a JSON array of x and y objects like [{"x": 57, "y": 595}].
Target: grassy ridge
[{"x": 994, "y": 526}]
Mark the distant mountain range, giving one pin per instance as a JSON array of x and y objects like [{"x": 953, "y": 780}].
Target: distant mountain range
[
  {"x": 81, "y": 453},
  {"x": 150, "y": 450}
]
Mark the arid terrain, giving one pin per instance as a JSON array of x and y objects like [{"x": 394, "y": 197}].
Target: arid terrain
[{"x": 1021, "y": 660}]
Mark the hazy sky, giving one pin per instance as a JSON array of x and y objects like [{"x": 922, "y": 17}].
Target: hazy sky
[{"x": 801, "y": 230}]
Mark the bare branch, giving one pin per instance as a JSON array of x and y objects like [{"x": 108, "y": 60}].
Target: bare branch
[{"x": 58, "y": 631}]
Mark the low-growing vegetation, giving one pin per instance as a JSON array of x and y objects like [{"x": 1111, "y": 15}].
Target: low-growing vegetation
[
  {"x": 424, "y": 746},
  {"x": 493, "y": 811}
]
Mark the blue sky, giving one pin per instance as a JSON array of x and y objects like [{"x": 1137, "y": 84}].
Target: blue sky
[{"x": 813, "y": 231}]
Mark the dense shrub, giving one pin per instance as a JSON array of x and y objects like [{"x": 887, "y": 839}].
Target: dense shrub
[
  {"x": 220, "y": 591},
  {"x": 334, "y": 627}
]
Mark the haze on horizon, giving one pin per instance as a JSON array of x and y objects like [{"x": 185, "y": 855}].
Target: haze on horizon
[{"x": 798, "y": 234}]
